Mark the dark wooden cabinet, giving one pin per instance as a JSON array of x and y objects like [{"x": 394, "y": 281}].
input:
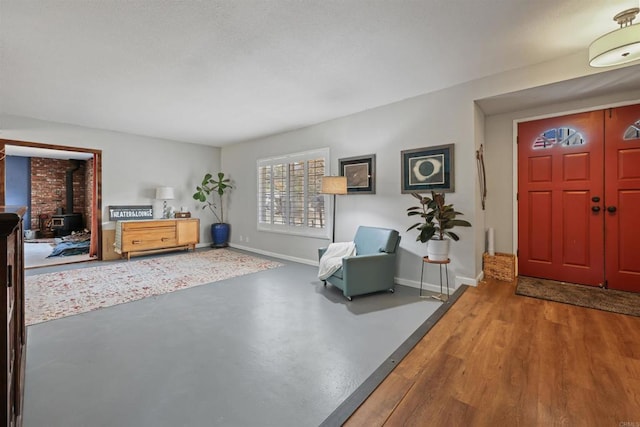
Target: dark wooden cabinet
[{"x": 13, "y": 337}]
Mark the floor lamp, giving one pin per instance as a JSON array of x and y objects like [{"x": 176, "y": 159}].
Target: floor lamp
[{"x": 334, "y": 185}]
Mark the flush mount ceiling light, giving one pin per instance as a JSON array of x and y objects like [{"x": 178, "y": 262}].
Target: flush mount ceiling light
[{"x": 619, "y": 46}]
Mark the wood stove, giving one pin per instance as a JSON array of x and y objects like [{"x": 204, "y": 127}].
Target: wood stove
[{"x": 64, "y": 224}]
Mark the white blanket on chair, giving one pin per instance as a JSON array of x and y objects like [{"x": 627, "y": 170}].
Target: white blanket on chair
[{"x": 331, "y": 260}]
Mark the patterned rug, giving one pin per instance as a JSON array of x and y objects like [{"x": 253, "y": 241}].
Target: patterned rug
[
  {"x": 51, "y": 296},
  {"x": 583, "y": 296}
]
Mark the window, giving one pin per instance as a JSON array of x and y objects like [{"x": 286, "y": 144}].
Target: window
[
  {"x": 289, "y": 198},
  {"x": 562, "y": 136}
]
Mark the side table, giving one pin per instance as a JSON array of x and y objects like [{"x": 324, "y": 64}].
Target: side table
[{"x": 426, "y": 260}]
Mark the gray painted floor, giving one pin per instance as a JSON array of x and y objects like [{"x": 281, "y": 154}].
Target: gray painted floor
[{"x": 274, "y": 348}]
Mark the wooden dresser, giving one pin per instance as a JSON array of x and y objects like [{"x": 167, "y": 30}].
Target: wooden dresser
[
  {"x": 148, "y": 236},
  {"x": 13, "y": 335}
]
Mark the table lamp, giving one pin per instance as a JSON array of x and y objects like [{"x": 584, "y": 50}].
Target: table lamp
[{"x": 164, "y": 194}]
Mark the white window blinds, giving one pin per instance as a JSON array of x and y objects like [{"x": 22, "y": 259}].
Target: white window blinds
[{"x": 289, "y": 198}]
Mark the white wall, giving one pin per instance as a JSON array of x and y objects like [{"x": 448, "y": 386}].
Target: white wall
[
  {"x": 132, "y": 166},
  {"x": 418, "y": 122},
  {"x": 447, "y": 116}
]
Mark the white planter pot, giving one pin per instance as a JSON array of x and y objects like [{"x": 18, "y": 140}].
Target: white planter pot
[{"x": 438, "y": 250}]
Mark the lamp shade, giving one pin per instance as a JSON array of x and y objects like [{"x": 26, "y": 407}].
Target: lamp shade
[
  {"x": 615, "y": 48},
  {"x": 334, "y": 185},
  {"x": 164, "y": 193},
  {"x": 619, "y": 46}
]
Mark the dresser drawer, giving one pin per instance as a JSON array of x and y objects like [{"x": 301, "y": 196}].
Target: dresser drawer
[
  {"x": 147, "y": 225},
  {"x": 149, "y": 238}
]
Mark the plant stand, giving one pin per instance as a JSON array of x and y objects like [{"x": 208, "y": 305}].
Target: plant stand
[{"x": 439, "y": 297}]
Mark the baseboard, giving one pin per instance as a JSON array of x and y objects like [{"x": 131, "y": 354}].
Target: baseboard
[
  {"x": 414, "y": 284},
  {"x": 458, "y": 281},
  {"x": 274, "y": 254}
]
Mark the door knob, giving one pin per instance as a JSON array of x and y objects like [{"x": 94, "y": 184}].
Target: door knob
[
  {"x": 611, "y": 209},
  {"x": 595, "y": 208},
  {"x": 595, "y": 199}
]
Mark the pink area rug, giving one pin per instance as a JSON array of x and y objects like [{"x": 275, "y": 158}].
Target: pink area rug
[{"x": 51, "y": 296}]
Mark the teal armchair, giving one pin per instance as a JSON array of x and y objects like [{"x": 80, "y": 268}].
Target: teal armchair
[{"x": 373, "y": 267}]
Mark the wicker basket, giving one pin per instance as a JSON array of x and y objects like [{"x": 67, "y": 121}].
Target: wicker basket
[{"x": 500, "y": 266}]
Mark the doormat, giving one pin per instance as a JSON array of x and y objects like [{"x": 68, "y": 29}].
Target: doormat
[
  {"x": 51, "y": 296},
  {"x": 580, "y": 295}
]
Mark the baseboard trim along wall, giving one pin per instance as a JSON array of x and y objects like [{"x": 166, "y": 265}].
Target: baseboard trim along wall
[
  {"x": 274, "y": 255},
  {"x": 435, "y": 287},
  {"x": 459, "y": 280}
]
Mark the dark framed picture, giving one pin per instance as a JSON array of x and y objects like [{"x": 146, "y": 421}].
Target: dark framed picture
[
  {"x": 360, "y": 172},
  {"x": 426, "y": 169}
]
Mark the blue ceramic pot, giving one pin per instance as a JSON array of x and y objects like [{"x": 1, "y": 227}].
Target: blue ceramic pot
[{"x": 220, "y": 235}]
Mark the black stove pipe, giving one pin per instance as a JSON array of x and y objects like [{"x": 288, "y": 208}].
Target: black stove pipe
[{"x": 69, "y": 183}]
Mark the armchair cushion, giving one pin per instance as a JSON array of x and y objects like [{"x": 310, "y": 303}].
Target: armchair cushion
[{"x": 331, "y": 260}]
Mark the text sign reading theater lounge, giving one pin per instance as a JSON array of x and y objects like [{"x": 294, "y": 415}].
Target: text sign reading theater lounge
[{"x": 119, "y": 213}]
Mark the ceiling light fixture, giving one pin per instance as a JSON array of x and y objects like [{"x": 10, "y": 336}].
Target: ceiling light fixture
[{"x": 619, "y": 46}]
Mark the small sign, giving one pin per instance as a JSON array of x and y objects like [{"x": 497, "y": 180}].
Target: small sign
[{"x": 120, "y": 213}]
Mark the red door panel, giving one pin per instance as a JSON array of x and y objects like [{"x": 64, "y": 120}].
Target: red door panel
[
  {"x": 540, "y": 209},
  {"x": 622, "y": 175},
  {"x": 560, "y": 172},
  {"x": 576, "y": 226}
]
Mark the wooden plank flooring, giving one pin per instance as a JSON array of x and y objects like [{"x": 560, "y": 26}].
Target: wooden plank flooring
[{"x": 497, "y": 359}]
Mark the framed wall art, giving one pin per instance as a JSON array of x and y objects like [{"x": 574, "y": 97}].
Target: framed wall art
[
  {"x": 426, "y": 169},
  {"x": 360, "y": 172}
]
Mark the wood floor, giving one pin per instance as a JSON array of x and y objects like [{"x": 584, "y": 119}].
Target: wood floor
[{"x": 497, "y": 359}]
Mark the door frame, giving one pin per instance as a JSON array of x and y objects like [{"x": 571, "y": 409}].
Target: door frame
[
  {"x": 97, "y": 213},
  {"x": 514, "y": 136}
]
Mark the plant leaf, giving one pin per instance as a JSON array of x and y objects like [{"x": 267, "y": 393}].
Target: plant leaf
[
  {"x": 413, "y": 226},
  {"x": 453, "y": 235}
]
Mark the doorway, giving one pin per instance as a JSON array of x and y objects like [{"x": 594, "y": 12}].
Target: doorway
[
  {"x": 61, "y": 188},
  {"x": 578, "y": 197}
]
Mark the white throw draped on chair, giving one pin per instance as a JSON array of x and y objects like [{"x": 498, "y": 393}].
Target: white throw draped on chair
[{"x": 331, "y": 261}]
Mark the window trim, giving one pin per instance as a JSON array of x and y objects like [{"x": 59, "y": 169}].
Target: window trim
[{"x": 304, "y": 231}]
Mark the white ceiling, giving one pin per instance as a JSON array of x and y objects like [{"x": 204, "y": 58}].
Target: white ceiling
[{"x": 221, "y": 71}]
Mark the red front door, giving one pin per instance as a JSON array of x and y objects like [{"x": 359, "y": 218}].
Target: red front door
[
  {"x": 579, "y": 198},
  {"x": 560, "y": 198},
  {"x": 622, "y": 198}
]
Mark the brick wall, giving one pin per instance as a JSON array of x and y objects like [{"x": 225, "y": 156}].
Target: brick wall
[
  {"x": 48, "y": 192},
  {"x": 88, "y": 179}
]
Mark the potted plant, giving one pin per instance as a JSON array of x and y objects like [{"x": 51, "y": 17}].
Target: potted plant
[
  {"x": 212, "y": 186},
  {"x": 438, "y": 221}
]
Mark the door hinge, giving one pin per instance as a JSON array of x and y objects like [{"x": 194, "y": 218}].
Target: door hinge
[
  {"x": 517, "y": 139},
  {"x": 517, "y": 253},
  {"x": 517, "y": 197}
]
